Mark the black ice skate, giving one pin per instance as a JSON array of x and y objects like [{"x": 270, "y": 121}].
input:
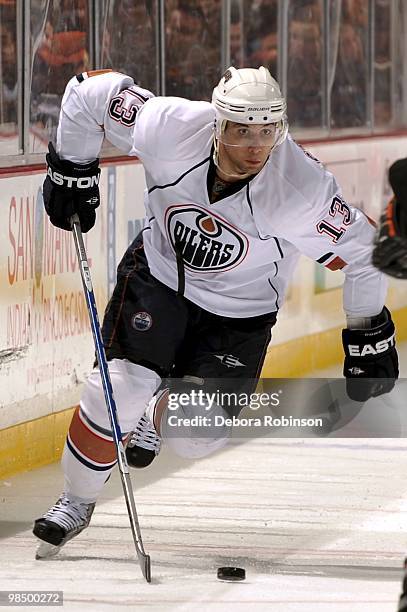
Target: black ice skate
[
  {"x": 68, "y": 517},
  {"x": 144, "y": 444}
]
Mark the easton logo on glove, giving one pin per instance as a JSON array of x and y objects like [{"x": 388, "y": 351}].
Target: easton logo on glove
[
  {"x": 371, "y": 362},
  {"x": 81, "y": 182},
  {"x": 71, "y": 188},
  {"x": 356, "y": 350}
]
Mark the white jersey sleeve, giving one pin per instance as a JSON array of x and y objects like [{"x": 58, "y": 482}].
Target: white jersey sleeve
[
  {"x": 337, "y": 235},
  {"x": 96, "y": 105},
  {"x": 341, "y": 237}
]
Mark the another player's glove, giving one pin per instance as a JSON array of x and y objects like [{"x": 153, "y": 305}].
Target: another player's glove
[
  {"x": 71, "y": 188},
  {"x": 371, "y": 362},
  {"x": 390, "y": 248}
]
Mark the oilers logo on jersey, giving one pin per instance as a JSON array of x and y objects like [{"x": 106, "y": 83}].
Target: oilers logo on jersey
[{"x": 206, "y": 241}]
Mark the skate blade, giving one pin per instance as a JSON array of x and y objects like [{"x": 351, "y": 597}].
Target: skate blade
[{"x": 46, "y": 550}]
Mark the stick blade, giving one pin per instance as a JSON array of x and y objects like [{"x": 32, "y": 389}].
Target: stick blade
[{"x": 145, "y": 565}]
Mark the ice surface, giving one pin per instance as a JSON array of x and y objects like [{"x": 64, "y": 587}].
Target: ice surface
[{"x": 319, "y": 525}]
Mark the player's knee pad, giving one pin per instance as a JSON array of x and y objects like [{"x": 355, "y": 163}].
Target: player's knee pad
[
  {"x": 133, "y": 387},
  {"x": 193, "y": 424}
]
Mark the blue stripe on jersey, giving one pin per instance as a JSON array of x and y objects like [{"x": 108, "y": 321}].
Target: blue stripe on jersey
[
  {"x": 322, "y": 259},
  {"x": 250, "y": 203},
  {"x": 274, "y": 289},
  {"x": 279, "y": 248},
  {"x": 261, "y": 238}
]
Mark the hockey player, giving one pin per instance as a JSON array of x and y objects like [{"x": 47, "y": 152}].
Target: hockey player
[
  {"x": 390, "y": 252},
  {"x": 231, "y": 202}
]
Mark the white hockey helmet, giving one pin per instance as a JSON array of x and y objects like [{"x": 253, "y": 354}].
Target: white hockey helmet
[{"x": 250, "y": 96}]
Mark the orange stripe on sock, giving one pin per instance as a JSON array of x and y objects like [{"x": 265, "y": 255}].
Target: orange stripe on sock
[{"x": 89, "y": 443}]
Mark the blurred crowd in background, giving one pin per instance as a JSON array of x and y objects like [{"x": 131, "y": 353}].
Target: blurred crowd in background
[{"x": 351, "y": 76}]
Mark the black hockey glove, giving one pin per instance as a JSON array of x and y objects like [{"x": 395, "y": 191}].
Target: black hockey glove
[
  {"x": 71, "y": 188},
  {"x": 371, "y": 363},
  {"x": 390, "y": 247}
]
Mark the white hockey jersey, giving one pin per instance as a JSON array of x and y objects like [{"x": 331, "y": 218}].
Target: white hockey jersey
[{"x": 239, "y": 252}]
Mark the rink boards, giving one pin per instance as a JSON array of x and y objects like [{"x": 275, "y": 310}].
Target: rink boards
[{"x": 46, "y": 348}]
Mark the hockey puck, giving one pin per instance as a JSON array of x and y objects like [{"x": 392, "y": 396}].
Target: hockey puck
[{"x": 231, "y": 574}]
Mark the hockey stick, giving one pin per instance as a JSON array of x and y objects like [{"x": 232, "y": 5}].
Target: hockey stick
[{"x": 143, "y": 558}]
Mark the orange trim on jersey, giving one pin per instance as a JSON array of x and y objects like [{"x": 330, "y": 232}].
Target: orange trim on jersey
[
  {"x": 336, "y": 264},
  {"x": 371, "y": 221},
  {"x": 91, "y": 445},
  {"x": 92, "y": 73}
]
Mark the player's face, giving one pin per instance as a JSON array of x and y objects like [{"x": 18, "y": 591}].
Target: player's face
[{"x": 244, "y": 149}]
